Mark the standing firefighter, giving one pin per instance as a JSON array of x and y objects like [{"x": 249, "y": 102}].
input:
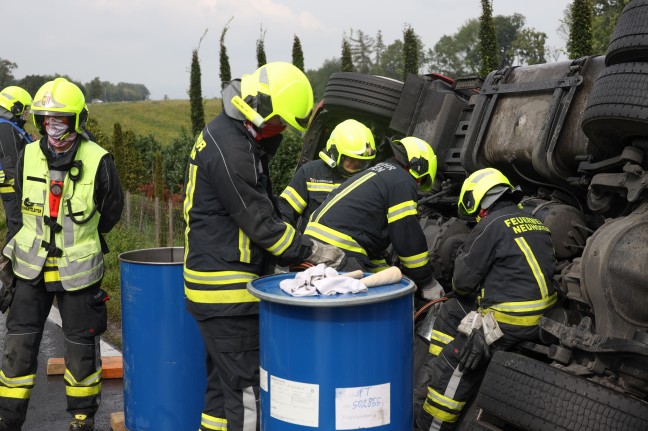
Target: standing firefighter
[
  {"x": 349, "y": 150},
  {"x": 378, "y": 207},
  {"x": 508, "y": 263},
  {"x": 70, "y": 195},
  {"x": 235, "y": 233}
]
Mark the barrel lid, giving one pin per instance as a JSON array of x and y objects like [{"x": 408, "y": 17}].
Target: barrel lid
[{"x": 267, "y": 289}]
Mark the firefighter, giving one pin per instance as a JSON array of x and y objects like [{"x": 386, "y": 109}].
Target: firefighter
[
  {"x": 14, "y": 107},
  {"x": 504, "y": 274},
  {"x": 378, "y": 207},
  {"x": 234, "y": 233},
  {"x": 70, "y": 196},
  {"x": 349, "y": 150}
]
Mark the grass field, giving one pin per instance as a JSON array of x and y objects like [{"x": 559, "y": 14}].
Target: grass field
[{"x": 160, "y": 118}]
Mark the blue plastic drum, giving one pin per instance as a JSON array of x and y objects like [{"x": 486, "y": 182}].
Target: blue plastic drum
[
  {"x": 163, "y": 351},
  {"x": 340, "y": 362}
]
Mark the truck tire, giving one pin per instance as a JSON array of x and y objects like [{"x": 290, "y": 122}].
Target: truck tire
[
  {"x": 617, "y": 107},
  {"x": 629, "y": 41},
  {"x": 359, "y": 92},
  {"x": 537, "y": 397}
]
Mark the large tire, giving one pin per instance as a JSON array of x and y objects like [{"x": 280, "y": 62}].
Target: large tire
[
  {"x": 617, "y": 108},
  {"x": 537, "y": 397},
  {"x": 368, "y": 94},
  {"x": 629, "y": 42}
]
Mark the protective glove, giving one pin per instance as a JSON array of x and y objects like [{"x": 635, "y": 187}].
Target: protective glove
[
  {"x": 474, "y": 351},
  {"x": 432, "y": 290},
  {"x": 327, "y": 254},
  {"x": 8, "y": 282}
]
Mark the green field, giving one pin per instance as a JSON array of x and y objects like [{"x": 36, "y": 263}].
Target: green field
[{"x": 160, "y": 118}]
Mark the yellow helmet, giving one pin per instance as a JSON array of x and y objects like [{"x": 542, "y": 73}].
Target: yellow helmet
[
  {"x": 281, "y": 89},
  {"x": 418, "y": 156},
  {"x": 15, "y": 100},
  {"x": 60, "y": 97},
  {"x": 350, "y": 139},
  {"x": 481, "y": 189}
]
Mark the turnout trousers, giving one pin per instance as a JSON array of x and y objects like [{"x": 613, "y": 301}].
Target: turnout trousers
[
  {"x": 232, "y": 347},
  {"x": 84, "y": 318},
  {"x": 449, "y": 389}
]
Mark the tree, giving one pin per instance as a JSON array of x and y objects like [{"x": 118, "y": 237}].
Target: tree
[
  {"x": 95, "y": 89},
  {"x": 283, "y": 164},
  {"x": 488, "y": 52},
  {"x": 297, "y": 54},
  {"x": 580, "y": 29},
  {"x": 6, "y": 72},
  {"x": 391, "y": 61},
  {"x": 606, "y": 15},
  {"x": 410, "y": 52},
  {"x": 379, "y": 47},
  {"x": 529, "y": 47},
  {"x": 508, "y": 29},
  {"x": 195, "y": 96},
  {"x": 260, "y": 48},
  {"x": 362, "y": 48},
  {"x": 319, "y": 78},
  {"x": 225, "y": 71},
  {"x": 457, "y": 55},
  {"x": 347, "y": 60}
]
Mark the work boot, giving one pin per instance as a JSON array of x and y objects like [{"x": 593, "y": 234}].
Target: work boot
[
  {"x": 5, "y": 426},
  {"x": 82, "y": 423}
]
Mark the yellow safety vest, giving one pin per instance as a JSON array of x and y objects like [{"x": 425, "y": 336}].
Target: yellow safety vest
[{"x": 80, "y": 262}]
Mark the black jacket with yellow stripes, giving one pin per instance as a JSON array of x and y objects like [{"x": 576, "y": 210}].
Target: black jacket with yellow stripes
[
  {"x": 306, "y": 191},
  {"x": 509, "y": 260},
  {"x": 371, "y": 210},
  {"x": 233, "y": 226}
]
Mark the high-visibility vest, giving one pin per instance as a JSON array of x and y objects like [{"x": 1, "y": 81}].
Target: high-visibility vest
[{"x": 78, "y": 249}]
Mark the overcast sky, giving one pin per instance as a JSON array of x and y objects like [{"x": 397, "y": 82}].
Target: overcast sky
[{"x": 150, "y": 41}]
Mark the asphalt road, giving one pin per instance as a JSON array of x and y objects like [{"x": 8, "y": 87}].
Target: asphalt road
[{"x": 47, "y": 405}]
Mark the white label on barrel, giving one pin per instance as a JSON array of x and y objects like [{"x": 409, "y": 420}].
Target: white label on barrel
[
  {"x": 263, "y": 379},
  {"x": 294, "y": 402},
  {"x": 362, "y": 407}
]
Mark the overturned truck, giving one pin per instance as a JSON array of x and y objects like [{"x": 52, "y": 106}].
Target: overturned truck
[{"x": 574, "y": 136}]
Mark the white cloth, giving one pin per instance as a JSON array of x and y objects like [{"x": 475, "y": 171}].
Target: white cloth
[{"x": 321, "y": 280}]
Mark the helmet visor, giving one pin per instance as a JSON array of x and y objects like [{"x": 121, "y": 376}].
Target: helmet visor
[{"x": 351, "y": 165}]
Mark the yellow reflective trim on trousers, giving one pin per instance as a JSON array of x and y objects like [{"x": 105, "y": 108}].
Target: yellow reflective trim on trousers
[
  {"x": 445, "y": 401},
  {"x": 90, "y": 380},
  {"x": 213, "y": 423},
  {"x": 321, "y": 187},
  {"x": 18, "y": 393},
  {"x": 284, "y": 242},
  {"x": 294, "y": 199},
  {"x": 400, "y": 211},
  {"x": 440, "y": 414},
  {"x": 27, "y": 380},
  {"x": 7, "y": 189},
  {"x": 82, "y": 391},
  {"x": 333, "y": 237},
  {"x": 415, "y": 261},
  {"x": 381, "y": 265},
  {"x": 357, "y": 183},
  {"x": 217, "y": 278},
  {"x": 434, "y": 349},
  {"x": 534, "y": 265},
  {"x": 441, "y": 337},
  {"x": 230, "y": 296},
  {"x": 245, "y": 253},
  {"x": 514, "y": 320}
]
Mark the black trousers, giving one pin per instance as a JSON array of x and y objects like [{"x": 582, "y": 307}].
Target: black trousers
[
  {"x": 232, "y": 346},
  {"x": 84, "y": 318}
]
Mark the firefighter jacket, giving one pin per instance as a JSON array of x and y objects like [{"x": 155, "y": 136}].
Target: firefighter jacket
[
  {"x": 371, "y": 210},
  {"x": 509, "y": 261},
  {"x": 13, "y": 139},
  {"x": 232, "y": 225},
  {"x": 67, "y": 236},
  {"x": 307, "y": 190}
]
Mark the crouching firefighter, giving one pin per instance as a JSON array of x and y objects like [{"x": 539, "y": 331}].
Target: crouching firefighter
[
  {"x": 70, "y": 195},
  {"x": 507, "y": 263}
]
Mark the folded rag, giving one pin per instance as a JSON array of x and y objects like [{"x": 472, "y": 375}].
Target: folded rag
[{"x": 323, "y": 280}]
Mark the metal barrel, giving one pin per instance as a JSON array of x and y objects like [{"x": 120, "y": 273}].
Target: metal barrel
[
  {"x": 163, "y": 351},
  {"x": 340, "y": 362}
]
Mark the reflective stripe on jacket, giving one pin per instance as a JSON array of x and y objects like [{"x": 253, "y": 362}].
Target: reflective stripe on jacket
[{"x": 74, "y": 248}]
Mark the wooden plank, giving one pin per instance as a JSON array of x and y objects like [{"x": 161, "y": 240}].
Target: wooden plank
[
  {"x": 117, "y": 421},
  {"x": 112, "y": 367}
]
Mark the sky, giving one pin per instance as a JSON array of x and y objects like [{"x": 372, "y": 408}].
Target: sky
[{"x": 150, "y": 42}]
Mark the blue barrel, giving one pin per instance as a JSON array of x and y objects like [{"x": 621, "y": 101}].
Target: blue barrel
[
  {"x": 340, "y": 362},
  {"x": 163, "y": 351}
]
